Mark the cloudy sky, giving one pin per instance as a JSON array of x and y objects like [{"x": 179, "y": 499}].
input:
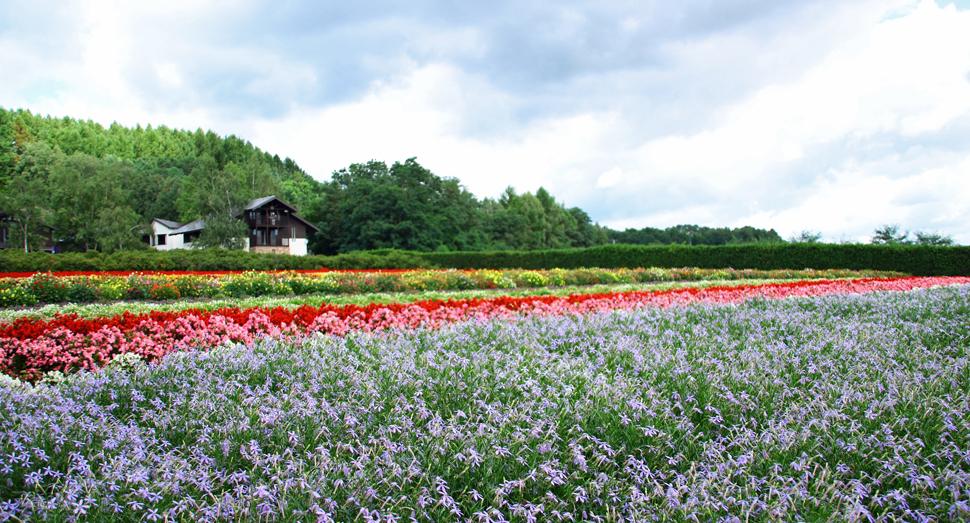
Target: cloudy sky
[{"x": 830, "y": 115}]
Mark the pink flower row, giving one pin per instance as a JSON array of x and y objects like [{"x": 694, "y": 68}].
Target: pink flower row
[{"x": 154, "y": 336}]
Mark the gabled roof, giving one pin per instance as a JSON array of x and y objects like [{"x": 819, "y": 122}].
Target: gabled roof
[
  {"x": 259, "y": 202},
  {"x": 168, "y": 223},
  {"x": 196, "y": 225}
]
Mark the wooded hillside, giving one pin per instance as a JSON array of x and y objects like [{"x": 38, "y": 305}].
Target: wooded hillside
[{"x": 100, "y": 187}]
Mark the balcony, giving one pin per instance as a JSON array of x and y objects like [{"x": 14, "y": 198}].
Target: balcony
[
  {"x": 271, "y": 221},
  {"x": 268, "y": 240}
]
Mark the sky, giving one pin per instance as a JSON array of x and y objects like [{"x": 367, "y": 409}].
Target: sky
[{"x": 831, "y": 116}]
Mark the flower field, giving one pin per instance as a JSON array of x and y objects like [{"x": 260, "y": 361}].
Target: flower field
[
  {"x": 31, "y": 347},
  {"x": 25, "y": 289},
  {"x": 844, "y": 401}
]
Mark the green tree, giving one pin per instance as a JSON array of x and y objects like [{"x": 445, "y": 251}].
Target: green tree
[
  {"x": 933, "y": 238},
  {"x": 8, "y": 153},
  {"x": 88, "y": 194},
  {"x": 121, "y": 229},
  {"x": 217, "y": 196},
  {"x": 25, "y": 198},
  {"x": 368, "y": 206},
  {"x": 889, "y": 234},
  {"x": 806, "y": 236}
]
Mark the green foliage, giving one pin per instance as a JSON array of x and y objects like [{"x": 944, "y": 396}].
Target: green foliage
[
  {"x": 806, "y": 237},
  {"x": 83, "y": 291},
  {"x": 932, "y": 238},
  {"x": 25, "y": 196},
  {"x": 697, "y": 235},
  {"x": 913, "y": 259},
  {"x": 889, "y": 235},
  {"x": 110, "y": 180}
]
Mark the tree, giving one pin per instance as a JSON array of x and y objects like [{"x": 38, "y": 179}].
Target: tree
[
  {"x": 217, "y": 196},
  {"x": 121, "y": 228},
  {"x": 368, "y": 206},
  {"x": 933, "y": 238},
  {"x": 25, "y": 198},
  {"x": 806, "y": 236},
  {"x": 8, "y": 154},
  {"x": 889, "y": 234},
  {"x": 88, "y": 194}
]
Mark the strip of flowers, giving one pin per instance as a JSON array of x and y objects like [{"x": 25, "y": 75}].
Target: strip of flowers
[{"x": 30, "y": 347}]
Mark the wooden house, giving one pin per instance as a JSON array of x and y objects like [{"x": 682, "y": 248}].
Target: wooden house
[{"x": 274, "y": 226}]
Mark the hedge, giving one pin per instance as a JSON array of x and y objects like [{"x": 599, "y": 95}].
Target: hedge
[
  {"x": 203, "y": 260},
  {"x": 911, "y": 259}
]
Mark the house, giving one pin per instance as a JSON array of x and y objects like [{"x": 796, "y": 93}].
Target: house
[
  {"x": 8, "y": 222},
  {"x": 274, "y": 226}
]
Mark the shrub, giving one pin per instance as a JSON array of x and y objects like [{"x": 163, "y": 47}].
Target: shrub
[
  {"x": 83, "y": 292},
  {"x": 113, "y": 288},
  {"x": 164, "y": 291},
  {"x": 253, "y": 284},
  {"x": 16, "y": 297},
  {"x": 194, "y": 286},
  {"x": 47, "y": 288},
  {"x": 529, "y": 279}
]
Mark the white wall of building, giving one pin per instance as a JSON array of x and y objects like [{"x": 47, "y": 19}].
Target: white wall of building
[
  {"x": 171, "y": 242},
  {"x": 298, "y": 246}
]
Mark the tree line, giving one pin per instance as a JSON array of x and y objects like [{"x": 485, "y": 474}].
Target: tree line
[{"x": 100, "y": 187}]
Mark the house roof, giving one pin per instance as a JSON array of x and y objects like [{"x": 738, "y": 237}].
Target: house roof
[
  {"x": 193, "y": 226},
  {"x": 259, "y": 202},
  {"x": 168, "y": 223}
]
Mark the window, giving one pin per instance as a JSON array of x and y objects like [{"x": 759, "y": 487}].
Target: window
[
  {"x": 273, "y": 236},
  {"x": 160, "y": 240}
]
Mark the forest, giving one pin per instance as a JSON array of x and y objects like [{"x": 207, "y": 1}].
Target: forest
[{"x": 99, "y": 188}]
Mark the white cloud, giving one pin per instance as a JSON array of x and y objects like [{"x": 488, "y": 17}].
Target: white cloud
[
  {"x": 419, "y": 116},
  {"x": 611, "y": 178},
  {"x": 910, "y": 79}
]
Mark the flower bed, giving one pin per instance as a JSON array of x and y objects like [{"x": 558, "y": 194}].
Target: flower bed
[
  {"x": 170, "y": 285},
  {"x": 30, "y": 347},
  {"x": 827, "y": 408}
]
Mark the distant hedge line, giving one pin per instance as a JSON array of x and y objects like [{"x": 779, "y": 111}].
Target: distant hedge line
[
  {"x": 203, "y": 260},
  {"x": 912, "y": 259}
]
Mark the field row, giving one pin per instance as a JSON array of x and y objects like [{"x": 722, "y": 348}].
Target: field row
[
  {"x": 32, "y": 346},
  {"x": 845, "y": 405},
  {"x": 166, "y": 286}
]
